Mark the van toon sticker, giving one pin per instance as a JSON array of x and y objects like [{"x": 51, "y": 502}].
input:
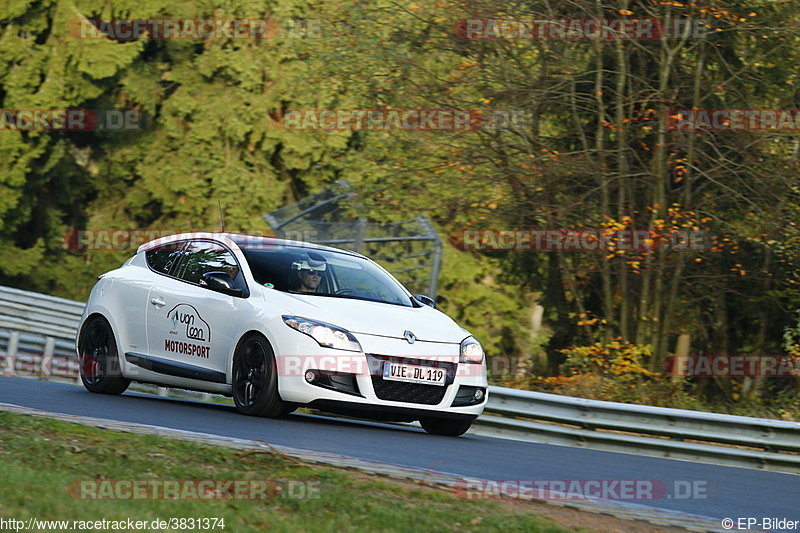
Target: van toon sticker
[{"x": 186, "y": 316}]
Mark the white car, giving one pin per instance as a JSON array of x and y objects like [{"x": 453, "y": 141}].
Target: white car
[{"x": 278, "y": 324}]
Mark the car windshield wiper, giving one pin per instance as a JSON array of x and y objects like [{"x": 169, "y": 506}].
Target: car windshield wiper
[{"x": 346, "y": 296}]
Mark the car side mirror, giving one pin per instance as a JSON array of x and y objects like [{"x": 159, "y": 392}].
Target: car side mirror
[
  {"x": 427, "y": 300},
  {"x": 220, "y": 282}
]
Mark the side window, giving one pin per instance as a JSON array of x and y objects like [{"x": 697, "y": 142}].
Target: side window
[
  {"x": 161, "y": 259},
  {"x": 202, "y": 257}
]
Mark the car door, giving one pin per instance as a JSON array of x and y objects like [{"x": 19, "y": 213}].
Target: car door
[{"x": 188, "y": 325}]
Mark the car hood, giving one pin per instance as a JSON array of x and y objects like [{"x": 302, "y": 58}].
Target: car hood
[{"x": 372, "y": 318}]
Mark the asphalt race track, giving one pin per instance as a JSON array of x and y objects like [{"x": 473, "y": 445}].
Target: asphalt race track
[{"x": 731, "y": 492}]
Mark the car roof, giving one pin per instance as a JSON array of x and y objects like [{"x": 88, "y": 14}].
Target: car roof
[{"x": 242, "y": 241}]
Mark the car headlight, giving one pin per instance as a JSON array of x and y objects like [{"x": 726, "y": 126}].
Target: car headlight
[
  {"x": 326, "y": 335},
  {"x": 471, "y": 351}
]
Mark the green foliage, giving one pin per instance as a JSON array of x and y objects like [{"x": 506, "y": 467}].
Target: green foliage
[
  {"x": 616, "y": 371},
  {"x": 591, "y": 151},
  {"x": 469, "y": 290}
]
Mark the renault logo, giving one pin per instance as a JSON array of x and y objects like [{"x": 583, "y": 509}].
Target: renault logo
[{"x": 409, "y": 337}]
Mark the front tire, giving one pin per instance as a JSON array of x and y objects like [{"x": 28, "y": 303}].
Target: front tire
[
  {"x": 445, "y": 426},
  {"x": 99, "y": 359},
  {"x": 255, "y": 380}
]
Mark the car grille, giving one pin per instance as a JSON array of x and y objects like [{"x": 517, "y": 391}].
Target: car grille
[{"x": 398, "y": 391}]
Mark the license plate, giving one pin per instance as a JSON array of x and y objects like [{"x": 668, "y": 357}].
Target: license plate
[{"x": 414, "y": 373}]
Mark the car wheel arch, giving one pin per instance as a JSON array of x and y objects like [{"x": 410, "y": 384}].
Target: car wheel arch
[
  {"x": 92, "y": 316},
  {"x": 242, "y": 338},
  {"x": 114, "y": 331},
  {"x": 113, "y": 380}
]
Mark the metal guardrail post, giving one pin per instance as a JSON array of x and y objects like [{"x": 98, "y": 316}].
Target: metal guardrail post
[
  {"x": 13, "y": 343},
  {"x": 47, "y": 357}
]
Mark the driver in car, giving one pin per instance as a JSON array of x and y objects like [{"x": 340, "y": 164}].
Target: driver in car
[{"x": 309, "y": 272}]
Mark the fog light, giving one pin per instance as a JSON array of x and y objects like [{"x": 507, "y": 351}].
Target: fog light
[
  {"x": 310, "y": 376},
  {"x": 478, "y": 395}
]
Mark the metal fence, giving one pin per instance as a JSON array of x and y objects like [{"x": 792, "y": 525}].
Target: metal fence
[
  {"x": 411, "y": 250},
  {"x": 37, "y": 335},
  {"x": 642, "y": 429}
]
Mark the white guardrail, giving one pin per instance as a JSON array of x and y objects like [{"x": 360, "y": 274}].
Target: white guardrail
[{"x": 37, "y": 335}]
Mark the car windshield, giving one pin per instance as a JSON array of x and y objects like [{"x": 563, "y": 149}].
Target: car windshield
[{"x": 323, "y": 273}]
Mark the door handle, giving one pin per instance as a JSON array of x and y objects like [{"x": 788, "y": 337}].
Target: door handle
[{"x": 158, "y": 302}]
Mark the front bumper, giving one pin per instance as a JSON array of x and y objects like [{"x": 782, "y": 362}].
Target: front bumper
[
  {"x": 352, "y": 383},
  {"x": 384, "y": 412}
]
